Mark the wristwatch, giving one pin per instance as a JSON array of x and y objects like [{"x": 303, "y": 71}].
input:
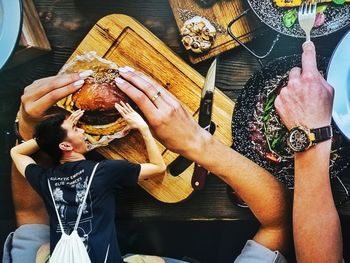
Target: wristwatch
[
  {"x": 16, "y": 130},
  {"x": 301, "y": 138}
]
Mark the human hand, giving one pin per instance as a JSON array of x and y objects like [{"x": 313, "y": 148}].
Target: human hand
[
  {"x": 170, "y": 122},
  {"x": 133, "y": 119},
  {"x": 307, "y": 99},
  {"x": 42, "y": 94},
  {"x": 75, "y": 116}
]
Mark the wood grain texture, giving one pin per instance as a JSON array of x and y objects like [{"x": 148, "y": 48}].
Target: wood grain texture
[
  {"x": 221, "y": 14},
  {"x": 123, "y": 40}
]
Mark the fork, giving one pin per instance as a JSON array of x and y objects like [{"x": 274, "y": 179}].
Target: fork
[{"x": 306, "y": 17}]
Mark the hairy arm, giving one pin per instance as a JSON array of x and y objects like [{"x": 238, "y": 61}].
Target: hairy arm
[
  {"x": 307, "y": 100},
  {"x": 175, "y": 128},
  {"x": 266, "y": 197},
  {"x": 317, "y": 230}
]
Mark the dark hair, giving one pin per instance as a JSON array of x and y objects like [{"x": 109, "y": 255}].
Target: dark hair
[{"x": 49, "y": 134}]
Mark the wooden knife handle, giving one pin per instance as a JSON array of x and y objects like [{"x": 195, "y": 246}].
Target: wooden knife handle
[{"x": 199, "y": 177}]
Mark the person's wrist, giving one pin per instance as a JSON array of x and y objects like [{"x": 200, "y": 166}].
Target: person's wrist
[
  {"x": 25, "y": 129},
  {"x": 198, "y": 146},
  {"x": 311, "y": 124},
  {"x": 321, "y": 148},
  {"x": 319, "y": 124},
  {"x": 144, "y": 129}
]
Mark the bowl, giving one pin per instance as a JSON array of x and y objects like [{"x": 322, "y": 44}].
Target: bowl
[
  {"x": 339, "y": 77},
  {"x": 10, "y": 28}
]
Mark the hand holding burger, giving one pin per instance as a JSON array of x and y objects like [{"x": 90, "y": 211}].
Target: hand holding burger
[{"x": 133, "y": 119}]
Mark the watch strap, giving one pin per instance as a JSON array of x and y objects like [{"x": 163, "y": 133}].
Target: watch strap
[
  {"x": 16, "y": 130},
  {"x": 322, "y": 134}
]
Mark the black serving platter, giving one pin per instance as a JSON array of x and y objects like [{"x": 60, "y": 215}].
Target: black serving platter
[
  {"x": 337, "y": 17},
  {"x": 243, "y": 116}
]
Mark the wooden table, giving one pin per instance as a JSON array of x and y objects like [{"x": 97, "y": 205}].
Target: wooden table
[{"x": 66, "y": 23}]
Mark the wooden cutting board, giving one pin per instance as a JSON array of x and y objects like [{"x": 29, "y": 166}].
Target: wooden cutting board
[
  {"x": 220, "y": 15},
  {"x": 123, "y": 40}
]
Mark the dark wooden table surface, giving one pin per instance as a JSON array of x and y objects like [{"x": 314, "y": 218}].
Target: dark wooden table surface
[{"x": 67, "y": 22}]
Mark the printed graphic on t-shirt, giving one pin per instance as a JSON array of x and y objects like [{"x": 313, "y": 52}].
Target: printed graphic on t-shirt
[
  {"x": 79, "y": 197},
  {"x": 62, "y": 191},
  {"x": 61, "y": 204}
]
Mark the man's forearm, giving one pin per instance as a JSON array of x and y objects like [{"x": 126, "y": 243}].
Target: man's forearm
[
  {"x": 267, "y": 198},
  {"x": 317, "y": 230}
]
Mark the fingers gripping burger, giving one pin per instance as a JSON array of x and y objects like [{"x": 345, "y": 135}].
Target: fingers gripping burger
[{"x": 97, "y": 96}]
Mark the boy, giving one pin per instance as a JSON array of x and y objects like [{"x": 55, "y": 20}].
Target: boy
[{"x": 65, "y": 143}]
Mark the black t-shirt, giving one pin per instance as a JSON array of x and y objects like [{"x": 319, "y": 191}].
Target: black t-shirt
[{"x": 69, "y": 182}]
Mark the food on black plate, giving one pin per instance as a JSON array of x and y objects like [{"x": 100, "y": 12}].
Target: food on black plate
[
  {"x": 290, "y": 17},
  {"x": 269, "y": 135},
  {"x": 259, "y": 133}
]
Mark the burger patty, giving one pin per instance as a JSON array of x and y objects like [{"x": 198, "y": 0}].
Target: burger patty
[
  {"x": 98, "y": 96},
  {"x": 100, "y": 117}
]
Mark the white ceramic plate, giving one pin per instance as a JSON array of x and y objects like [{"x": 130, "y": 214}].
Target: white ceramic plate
[
  {"x": 10, "y": 25},
  {"x": 339, "y": 77}
]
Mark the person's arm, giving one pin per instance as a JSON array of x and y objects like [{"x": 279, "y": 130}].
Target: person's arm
[
  {"x": 37, "y": 99},
  {"x": 156, "y": 165},
  {"x": 175, "y": 128},
  {"x": 307, "y": 100},
  {"x": 317, "y": 229},
  {"x": 20, "y": 155}
]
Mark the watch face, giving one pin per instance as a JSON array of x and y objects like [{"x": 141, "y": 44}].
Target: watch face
[{"x": 298, "y": 140}]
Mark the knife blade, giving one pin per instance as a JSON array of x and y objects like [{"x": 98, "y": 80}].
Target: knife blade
[
  {"x": 180, "y": 164},
  {"x": 204, "y": 120}
]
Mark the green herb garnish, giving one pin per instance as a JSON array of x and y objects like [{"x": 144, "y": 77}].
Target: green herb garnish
[
  {"x": 339, "y": 2},
  {"x": 321, "y": 8},
  {"x": 290, "y": 17}
]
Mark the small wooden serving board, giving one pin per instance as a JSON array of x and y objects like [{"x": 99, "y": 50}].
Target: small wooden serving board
[
  {"x": 220, "y": 15},
  {"x": 123, "y": 40}
]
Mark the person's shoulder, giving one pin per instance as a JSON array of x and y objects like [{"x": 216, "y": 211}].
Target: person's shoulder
[
  {"x": 34, "y": 167},
  {"x": 113, "y": 163},
  {"x": 117, "y": 165}
]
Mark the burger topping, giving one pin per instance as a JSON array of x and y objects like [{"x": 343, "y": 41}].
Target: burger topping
[{"x": 98, "y": 96}]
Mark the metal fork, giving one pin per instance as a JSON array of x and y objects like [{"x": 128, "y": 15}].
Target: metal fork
[{"x": 306, "y": 17}]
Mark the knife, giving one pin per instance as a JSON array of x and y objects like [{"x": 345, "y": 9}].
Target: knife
[
  {"x": 204, "y": 120},
  {"x": 205, "y": 112}
]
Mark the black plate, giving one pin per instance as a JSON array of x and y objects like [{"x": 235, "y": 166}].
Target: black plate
[
  {"x": 337, "y": 17},
  {"x": 244, "y": 109}
]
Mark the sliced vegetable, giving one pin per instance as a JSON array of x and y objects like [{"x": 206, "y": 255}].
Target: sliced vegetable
[
  {"x": 320, "y": 19},
  {"x": 273, "y": 158},
  {"x": 266, "y": 118},
  {"x": 270, "y": 103},
  {"x": 275, "y": 142},
  {"x": 290, "y": 17},
  {"x": 339, "y": 2},
  {"x": 321, "y": 8}
]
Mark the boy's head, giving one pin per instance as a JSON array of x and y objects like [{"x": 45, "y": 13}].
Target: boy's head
[{"x": 57, "y": 136}]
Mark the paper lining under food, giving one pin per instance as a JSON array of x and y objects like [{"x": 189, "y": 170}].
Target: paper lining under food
[{"x": 91, "y": 61}]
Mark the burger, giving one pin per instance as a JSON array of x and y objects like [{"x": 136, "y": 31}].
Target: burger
[{"x": 96, "y": 97}]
